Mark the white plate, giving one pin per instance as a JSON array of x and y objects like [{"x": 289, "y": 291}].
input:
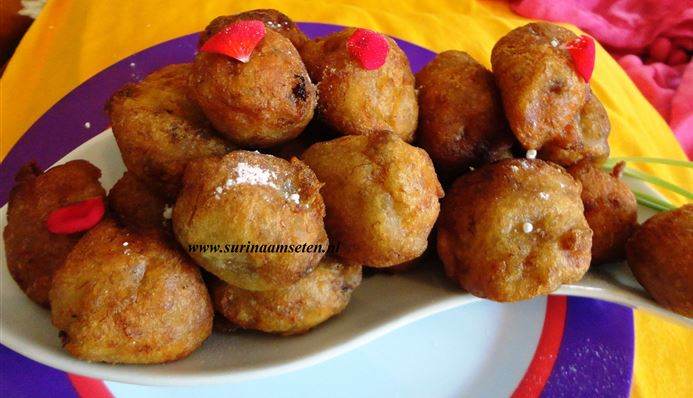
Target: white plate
[
  {"x": 382, "y": 304},
  {"x": 479, "y": 350}
]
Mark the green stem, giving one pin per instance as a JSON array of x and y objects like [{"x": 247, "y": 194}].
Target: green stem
[
  {"x": 652, "y": 180},
  {"x": 649, "y": 201},
  {"x": 657, "y": 181},
  {"x": 650, "y": 205},
  {"x": 637, "y": 159}
]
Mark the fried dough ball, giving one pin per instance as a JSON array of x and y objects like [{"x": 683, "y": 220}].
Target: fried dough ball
[
  {"x": 513, "y": 230},
  {"x": 34, "y": 253},
  {"x": 159, "y": 129},
  {"x": 266, "y": 101},
  {"x": 137, "y": 206},
  {"x": 246, "y": 198},
  {"x": 273, "y": 19},
  {"x": 127, "y": 297},
  {"x": 660, "y": 256},
  {"x": 381, "y": 196},
  {"x": 461, "y": 120},
  {"x": 356, "y": 101},
  {"x": 312, "y": 300},
  {"x": 542, "y": 93},
  {"x": 591, "y": 128},
  {"x": 610, "y": 209}
]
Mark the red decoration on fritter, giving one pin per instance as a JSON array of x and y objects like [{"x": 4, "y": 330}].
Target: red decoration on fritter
[
  {"x": 582, "y": 50},
  {"x": 369, "y": 48},
  {"x": 77, "y": 217},
  {"x": 237, "y": 40}
]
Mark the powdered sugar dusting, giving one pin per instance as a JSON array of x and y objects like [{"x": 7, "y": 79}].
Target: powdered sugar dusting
[{"x": 250, "y": 174}]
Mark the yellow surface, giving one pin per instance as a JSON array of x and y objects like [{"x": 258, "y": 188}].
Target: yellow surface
[
  {"x": 75, "y": 39},
  {"x": 663, "y": 358}
]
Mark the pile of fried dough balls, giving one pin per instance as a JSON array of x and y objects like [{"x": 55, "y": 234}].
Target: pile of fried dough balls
[{"x": 361, "y": 145}]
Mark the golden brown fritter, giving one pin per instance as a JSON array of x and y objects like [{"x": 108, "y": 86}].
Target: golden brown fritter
[
  {"x": 266, "y": 101},
  {"x": 461, "y": 120},
  {"x": 381, "y": 196},
  {"x": 591, "y": 131},
  {"x": 513, "y": 230},
  {"x": 34, "y": 253},
  {"x": 136, "y": 205},
  {"x": 356, "y": 101},
  {"x": 541, "y": 91},
  {"x": 126, "y": 297},
  {"x": 610, "y": 209},
  {"x": 320, "y": 295},
  {"x": 246, "y": 198},
  {"x": 159, "y": 129},
  {"x": 273, "y": 19},
  {"x": 660, "y": 256}
]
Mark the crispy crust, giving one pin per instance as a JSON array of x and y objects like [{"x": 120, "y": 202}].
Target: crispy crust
[
  {"x": 660, "y": 256},
  {"x": 296, "y": 309},
  {"x": 266, "y": 101},
  {"x": 273, "y": 19},
  {"x": 210, "y": 210},
  {"x": 159, "y": 129},
  {"x": 33, "y": 253},
  {"x": 137, "y": 206},
  {"x": 126, "y": 297},
  {"x": 356, "y": 101},
  {"x": 610, "y": 209},
  {"x": 481, "y": 240},
  {"x": 461, "y": 120},
  {"x": 381, "y": 196},
  {"x": 541, "y": 91}
]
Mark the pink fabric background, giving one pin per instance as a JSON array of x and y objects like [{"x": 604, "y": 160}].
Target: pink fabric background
[{"x": 651, "y": 39}]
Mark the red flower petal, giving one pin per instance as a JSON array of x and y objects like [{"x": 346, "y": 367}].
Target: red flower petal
[
  {"x": 237, "y": 40},
  {"x": 582, "y": 50},
  {"x": 76, "y": 217},
  {"x": 369, "y": 48}
]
